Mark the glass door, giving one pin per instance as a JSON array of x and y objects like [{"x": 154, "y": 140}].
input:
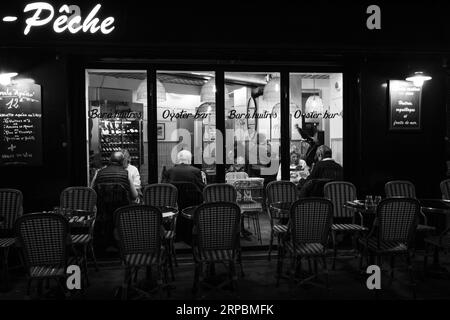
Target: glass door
[
  {"x": 116, "y": 108},
  {"x": 186, "y": 120}
]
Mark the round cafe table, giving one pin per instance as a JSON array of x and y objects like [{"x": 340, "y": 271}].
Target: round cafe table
[{"x": 168, "y": 212}]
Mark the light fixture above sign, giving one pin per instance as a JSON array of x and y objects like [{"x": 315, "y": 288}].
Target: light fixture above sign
[
  {"x": 67, "y": 18},
  {"x": 5, "y": 78},
  {"x": 418, "y": 78}
]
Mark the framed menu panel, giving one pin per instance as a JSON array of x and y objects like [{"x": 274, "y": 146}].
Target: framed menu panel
[
  {"x": 20, "y": 124},
  {"x": 404, "y": 106}
]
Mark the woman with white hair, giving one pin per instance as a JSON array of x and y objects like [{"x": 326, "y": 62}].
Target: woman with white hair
[{"x": 183, "y": 171}]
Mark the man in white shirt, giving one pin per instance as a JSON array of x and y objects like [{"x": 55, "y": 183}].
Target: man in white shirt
[{"x": 133, "y": 172}]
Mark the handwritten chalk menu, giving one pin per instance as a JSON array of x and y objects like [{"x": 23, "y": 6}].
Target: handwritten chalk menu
[
  {"x": 404, "y": 105},
  {"x": 20, "y": 124}
]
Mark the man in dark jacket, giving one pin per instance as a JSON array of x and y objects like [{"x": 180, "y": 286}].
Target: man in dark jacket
[
  {"x": 326, "y": 167},
  {"x": 184, "y": 171},
  {"x": 325, "y": 170}
]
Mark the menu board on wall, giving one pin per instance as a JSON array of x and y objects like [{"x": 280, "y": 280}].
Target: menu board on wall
[
  {"x": 20, "y": 124},
  {"x": 404, "y": 105}
]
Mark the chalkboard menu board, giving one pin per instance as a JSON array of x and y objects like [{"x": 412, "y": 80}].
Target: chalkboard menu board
[
  {"x": 20, "y": 124},
  {"x": 404, "y": 105}
]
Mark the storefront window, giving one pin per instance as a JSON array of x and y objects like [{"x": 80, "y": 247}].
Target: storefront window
[
  {"x": 117, "y": 118},
  {"x": 252, "y": 129},
  {"x": 315, "y": 119},
  {"x": 186, "y": 120}
]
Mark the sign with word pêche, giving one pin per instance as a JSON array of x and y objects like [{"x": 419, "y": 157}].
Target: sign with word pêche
[
  {"x": 20, "y": 124},
  {"x": 404, "y": 106}
]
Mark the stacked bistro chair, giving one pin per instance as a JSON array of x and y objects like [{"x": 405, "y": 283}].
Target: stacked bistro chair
[
  {"x": 140, "y": 233},
  {"x": 445, "y": 189},
  {"x": 217, "y": 227},
  {"x": 309, "y": 228},
  {"x": 402, "y": 188},
  {"x": 339, "y": 192},
  {"x": 278, "y": 191},
  {"x": 392, "y": 233},
  {"x": 43, "y": 238},
  {"x": 222, "y": 192},
  {"x": 10, "y": 210},
  {"x": 82, "y": 201},
  {"x": 163, "y": 195}
]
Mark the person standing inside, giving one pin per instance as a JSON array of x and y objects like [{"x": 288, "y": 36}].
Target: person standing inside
[{"x": 313, "y": 143}]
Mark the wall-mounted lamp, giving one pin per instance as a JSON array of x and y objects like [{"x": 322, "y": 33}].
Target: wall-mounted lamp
[
  {"x": 5, "y": 78},
  {"x": 418, "y": 78}
]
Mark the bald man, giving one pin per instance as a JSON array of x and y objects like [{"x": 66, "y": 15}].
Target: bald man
[{"x": 115, "y": 173}]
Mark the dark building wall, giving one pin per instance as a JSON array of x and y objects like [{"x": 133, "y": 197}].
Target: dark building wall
[
  {"x": 41, "y": 185},
  {"x": 415, "y": 156}
]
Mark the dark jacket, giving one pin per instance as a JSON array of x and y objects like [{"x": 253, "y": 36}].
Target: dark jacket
[
  {"x": 183, "y": 173},
  {"x": 327, "y": 169}
]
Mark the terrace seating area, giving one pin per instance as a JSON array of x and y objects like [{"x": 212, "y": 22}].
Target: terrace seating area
[{"x": 166, "y": 248}]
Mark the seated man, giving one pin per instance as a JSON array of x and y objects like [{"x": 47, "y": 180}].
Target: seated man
[
  {"x": 183, "y": 171},
  {"x": 108, "y": 200},
  {"x": 115, "y": 173},
  {"x": 325, "y": 170},
  {"x": 326, "y": 167}
]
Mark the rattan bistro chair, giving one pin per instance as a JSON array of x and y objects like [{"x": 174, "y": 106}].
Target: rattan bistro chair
[
  {"x": 110, "y": 197},
  {"x": 165, "y": 195},
  {"x": 83, "y": 203},
  {"x": 219, "y": 192},
  {"x": 223, "y": 192},
  {"x": 309, "y": 228},
  {"x": 217, "y": 225},
  {"x": 10, "y": 210},
  {"x": 278, "y": 191},
  {"x": 43, "y": 238},
  {"x": 339, "y": 192},
  {"x": 445, "y": 189},
  {"x": 406, "y": 189},
  {"x": 139, "y": 229},
  {"x": 392, "y": 233},
  {"x": 79, "y": 198}
]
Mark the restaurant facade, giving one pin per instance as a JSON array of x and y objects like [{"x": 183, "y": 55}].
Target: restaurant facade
[{"x": 124, "y": 75}]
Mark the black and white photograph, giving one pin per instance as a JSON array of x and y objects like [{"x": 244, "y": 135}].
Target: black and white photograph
[{"x": 227, "y": 158}]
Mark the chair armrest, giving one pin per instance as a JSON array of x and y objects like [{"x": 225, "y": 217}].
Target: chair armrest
[
  {"x": 425, "y": 219},
  {"x": 443, "y": 234}
]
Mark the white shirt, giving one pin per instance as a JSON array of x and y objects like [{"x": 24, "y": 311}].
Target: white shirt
[{"x": 133, "y": 174}]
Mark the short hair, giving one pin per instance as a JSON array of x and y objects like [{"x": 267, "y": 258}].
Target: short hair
[
  {"x": 324, "y": 151},
  {"x": 184, "y": 156},
  {"x": 117, "y": 157},
  {"x": 126, "y": 154}
]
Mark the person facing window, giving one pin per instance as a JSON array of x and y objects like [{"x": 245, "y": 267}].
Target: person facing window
[{"x": 183, "y": 171}]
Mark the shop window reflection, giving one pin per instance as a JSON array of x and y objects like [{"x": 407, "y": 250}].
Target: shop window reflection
[
  {"x": 188, "y": 114},
  {"x": 248, "y": 112}
]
